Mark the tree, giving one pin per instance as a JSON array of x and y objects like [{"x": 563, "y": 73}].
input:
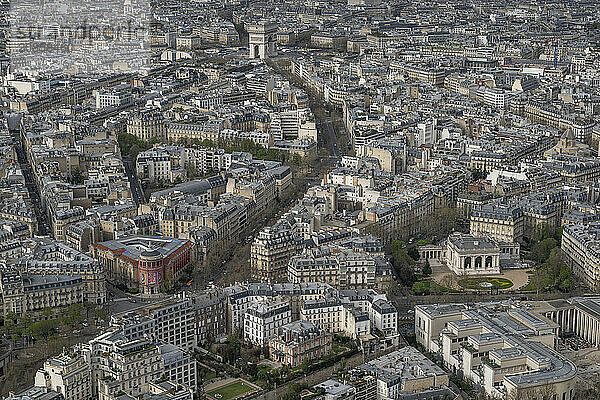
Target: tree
[
  {"x": 47, "y": 312},
  {"x": 540, "y": 251},
  {"x": 11, "y": 317},
  {"x": 413, "y": 252},
  {"x": 263, "y": 375},
  {"x": 427, "y": 268},
  {"x": 546, "y": 392},
  {"x": 403, "y": 264},
  {"x": 43, "y": 329}
]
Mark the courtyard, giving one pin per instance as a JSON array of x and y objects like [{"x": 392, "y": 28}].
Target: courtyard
[
  {"x": 510, "y": 279},
  {"x": 485, "y": 282},
  {"x": 230, "y": 389}
]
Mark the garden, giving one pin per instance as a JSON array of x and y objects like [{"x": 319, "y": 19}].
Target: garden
[{"x": 485, "y": 282}]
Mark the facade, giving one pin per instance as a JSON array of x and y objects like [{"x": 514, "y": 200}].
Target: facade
[
  {"x": 579, "y": 316},
  {"x": 122, "y": 365},
  {"x": 341, "y": 268},
  {"x": 503, "y": 223},
  {"x": 271, "y": 251},
  {"x": 171, "y": 321},
  {"x": 48, "y": 257},
  {"x": 350, "y": 312},
  {"x": 67, "y": 374},
  {"x": 470, "y": 255},
  {"x": 580, "y": 245},
  {"x": 299, "y": 341},
  {"x": 211, "y": 315},
  {"x": 145, "y": 263},
  {"x": 147, "y": 125},
  {"x": 23, "y": 294},
  {"x": 179, "y": 365},
  {"x": 263, "y": 319}
]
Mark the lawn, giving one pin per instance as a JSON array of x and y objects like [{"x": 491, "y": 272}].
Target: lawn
[
  {"x": 431, "y": 287},
  {"x": 231, "y": 391},
  {"x": 475, "y": 283}
]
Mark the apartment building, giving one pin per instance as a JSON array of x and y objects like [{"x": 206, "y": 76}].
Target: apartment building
[
  {"x": 271, "y": 251},
  {"x": 338, "y": 267},
  {"x": 171, "y": 321},
  {"x": 580, "y": 244},
  {"x": 299, "y": 341},
  {"x": 119, "y": 364},
  {"x": 211, "y": 315},
  {"x": 68, "y": 374},
  {"x": 26, "y": 293},
  {"x": 147, "y": 125},
  {"x": 500, "y": 222},
  {"x": 179, "y": 366},
  {"x": 263, "y": 319},
  {"x": 48, "y": 257}
]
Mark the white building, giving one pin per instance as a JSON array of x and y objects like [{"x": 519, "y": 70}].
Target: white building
[
  {"x": 179, "y": 365},
  {"x": 426, "y": 132},
  {"x": 68, "y": 374},
  {"x": 263, "y": 318},
  {"x": 112, "y": 98},
  {"x": 406, "y": 372},
  {"x": 506, "y": 348}
]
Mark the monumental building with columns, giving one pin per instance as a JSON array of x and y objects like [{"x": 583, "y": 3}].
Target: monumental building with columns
[
  {"x": 579, "y": 316},
  {"x": 466, "y": 254},
  {"x": 506, "y": 348}
]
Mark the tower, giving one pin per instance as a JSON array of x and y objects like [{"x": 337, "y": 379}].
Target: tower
[{"x": 262, "y": 39}]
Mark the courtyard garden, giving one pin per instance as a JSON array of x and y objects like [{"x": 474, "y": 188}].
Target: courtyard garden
[
  {"x": 485, "y": 282},
  {"x": 234, "y": 390}
]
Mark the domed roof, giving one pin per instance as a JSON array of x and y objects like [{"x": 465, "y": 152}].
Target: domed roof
[{"x": 150, "y": 254}]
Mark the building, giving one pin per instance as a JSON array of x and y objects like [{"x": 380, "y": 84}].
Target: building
[
  {"x": 67, "y": 374},
  {"x": 350, "y": 312},
  {"x": 120, "y": 365},
  {"x": 579, "y": 316},
  {"x": 466, "y": 254},
  {"x": 299, "y": 341},
  {"x": 335, "y": 390},
  {"x": 49, "y": 257},
  {"x": 211, "y": 315},
  {"x": 179, "y": 365},
  {"x": 506, "y": 348},
  {"x": 405, "y": 372},
  {"x": 580, "y": 244},
  {"x": 271, "y": 251},
  {"x": 145, "y": 263},
  {"x": 263, "y": 319},
  {"x": 262, "y": 38},
  {"x": 113, "y": 98},
  {"x": 501, "y": 222},
  {"x": 470, "y": 255},
  {"x": 23, "y": 294},
  {"x": 36, "y": 393},
  {"x": 341, "y": 268},
  {"x": 171, "y": 321},
  {"x": 147, "y": 125}
]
